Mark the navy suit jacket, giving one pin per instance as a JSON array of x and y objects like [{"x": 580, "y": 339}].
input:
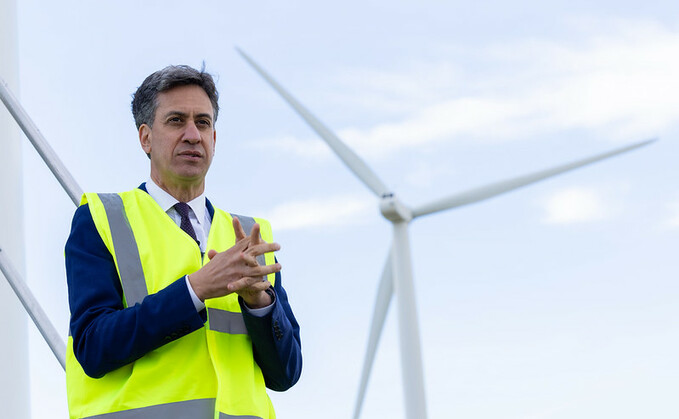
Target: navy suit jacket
[{"x": 107, "y": 335}]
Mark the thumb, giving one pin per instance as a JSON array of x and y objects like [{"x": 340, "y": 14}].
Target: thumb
[{"x": 211, "y": 253}]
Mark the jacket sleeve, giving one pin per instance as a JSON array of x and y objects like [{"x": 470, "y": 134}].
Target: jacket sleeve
[
  {"x": 276, "y": 341},
  {"x": 106, "y": 335}
]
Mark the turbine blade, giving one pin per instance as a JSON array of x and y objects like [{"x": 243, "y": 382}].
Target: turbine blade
[
  {"x": 382, "y": 301},
  {"x": 488, "y": 191},
  {"x": 347, "y": 155}
]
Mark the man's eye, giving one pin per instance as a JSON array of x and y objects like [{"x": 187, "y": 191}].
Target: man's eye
[
  {"x": 204, "y": 122},
  {"x": 174, "y": 119}
]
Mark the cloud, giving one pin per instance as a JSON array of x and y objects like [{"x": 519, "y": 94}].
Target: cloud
[
  {"x": 396, "y": 93},
  {"x": 619, "y": 81},
  {"x": 423, "y": 174},
  {"x": 622, "y": 83},
  {"x": 673, "y": 220},
  {"x": 334, "y": 211},
  {"x": 574, "y": 205},
  {"x": 310, "y": 148}
]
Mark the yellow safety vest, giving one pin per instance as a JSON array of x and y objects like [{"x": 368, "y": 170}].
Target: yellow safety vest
[{"x": 209, "y": 373}]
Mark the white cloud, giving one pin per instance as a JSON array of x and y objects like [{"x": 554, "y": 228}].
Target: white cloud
[
  {"x": 620, "y": 82},
  {"x": 424, "y": 174},
  {"x": 310, "y": 148},
  {"x": 334, "y": 211},
  {"x": 396, "y": 92},
  {"x": 673, "y": 221},
  {"x": 574, "y": 205}
]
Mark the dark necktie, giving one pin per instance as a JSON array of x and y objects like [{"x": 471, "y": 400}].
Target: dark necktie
[{"x": 183, "y": 210}]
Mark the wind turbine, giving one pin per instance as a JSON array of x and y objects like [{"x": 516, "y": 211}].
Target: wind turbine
[{"x": 397, "y": 276}]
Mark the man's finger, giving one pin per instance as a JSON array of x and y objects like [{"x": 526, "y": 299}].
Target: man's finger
[
  {"x": 238, "y": 229},
  {"x": 248, "y": 282},
  {"x": 250, "y": 260},
  {"x": 255, "y": 234},
  {"x": 259, "y": 271},
  {"x": 263, "y": 247},
  {"x": 262, "y": 285}
]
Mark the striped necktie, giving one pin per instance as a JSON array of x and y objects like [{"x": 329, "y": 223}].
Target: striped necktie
[{"x": 183, "y": 210}]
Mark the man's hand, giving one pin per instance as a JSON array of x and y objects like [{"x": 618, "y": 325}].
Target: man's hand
[
  {"x": 237, "y": 270},
  {"x": 254, "y": 293}
]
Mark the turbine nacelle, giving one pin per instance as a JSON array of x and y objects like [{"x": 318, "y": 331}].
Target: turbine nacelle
[{"x": 394, "y": 210}]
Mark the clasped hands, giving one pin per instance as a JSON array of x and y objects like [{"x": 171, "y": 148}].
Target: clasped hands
[{"x": 237, "y": 270}]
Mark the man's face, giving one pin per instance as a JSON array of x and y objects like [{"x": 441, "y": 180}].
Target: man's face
[{"x": 181, "y": 142}]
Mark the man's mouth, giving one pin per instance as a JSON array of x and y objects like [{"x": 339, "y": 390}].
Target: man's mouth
[{"x": 191, "y": 154}]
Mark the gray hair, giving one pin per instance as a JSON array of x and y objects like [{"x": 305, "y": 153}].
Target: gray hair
[{"x": 145, "y": 99}]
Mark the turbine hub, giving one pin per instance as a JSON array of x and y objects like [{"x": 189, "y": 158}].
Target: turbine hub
[{"x": 394, "y": 210}]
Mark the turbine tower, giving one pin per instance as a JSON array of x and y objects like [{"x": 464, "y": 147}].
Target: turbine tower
[
  {"x": 14, "y": 379},
  {"x": 397, "y": 276}
]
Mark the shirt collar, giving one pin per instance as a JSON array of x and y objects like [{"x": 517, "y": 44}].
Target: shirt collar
[{"x": 167, "y": 201}]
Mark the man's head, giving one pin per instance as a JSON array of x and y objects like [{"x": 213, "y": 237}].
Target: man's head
[
  {"x": 175, "y": 109},
  {"x": 145, "y": 99}
]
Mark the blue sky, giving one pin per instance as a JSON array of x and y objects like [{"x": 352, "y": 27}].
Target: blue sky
[{"x": 555, "y": 301}]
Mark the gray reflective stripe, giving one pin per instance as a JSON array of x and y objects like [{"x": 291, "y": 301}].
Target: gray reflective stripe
[
  {"x": 194, "y": 409},
  {"x": 226, "y": 321},
  {"x": 127, "y": 253},
  {"x": 247, "y": 223},
  {"x": 225, "y": 416}
]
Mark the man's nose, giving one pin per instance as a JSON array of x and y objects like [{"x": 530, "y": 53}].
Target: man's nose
[{"x": 191, "y": 134}]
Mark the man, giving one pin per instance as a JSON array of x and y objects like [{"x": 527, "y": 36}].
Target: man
[{"x": 175, "y": 311}]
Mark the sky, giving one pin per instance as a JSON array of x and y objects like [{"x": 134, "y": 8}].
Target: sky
[{"x": 554, "y": 301}]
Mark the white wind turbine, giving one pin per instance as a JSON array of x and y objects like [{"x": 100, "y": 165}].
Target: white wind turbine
[{"x": 397, "y": 275}]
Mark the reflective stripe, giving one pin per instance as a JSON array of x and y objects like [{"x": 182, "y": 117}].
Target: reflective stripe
[
  {"x": 194, "y": 409},
  {"x": 127, "y": 253},
  {"x": 247, "y": 223},
  {"x": 225, "y": 416},
  {"x": 226, "y": 321}
]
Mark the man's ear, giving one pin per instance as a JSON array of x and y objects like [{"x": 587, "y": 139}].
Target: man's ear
[
  {"x": 145, "y": 138},
  {"x": 214, "y": 141}
]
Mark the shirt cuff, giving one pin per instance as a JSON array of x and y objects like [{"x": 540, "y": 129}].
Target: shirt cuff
[
  {"x": 262, "y": 311},
  {"x": 196, "y": 301},
  {"x": 258, "y": 312}
]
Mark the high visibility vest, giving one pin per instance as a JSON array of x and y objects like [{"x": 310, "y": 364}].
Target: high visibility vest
[{"x": 209, "y": 373}]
